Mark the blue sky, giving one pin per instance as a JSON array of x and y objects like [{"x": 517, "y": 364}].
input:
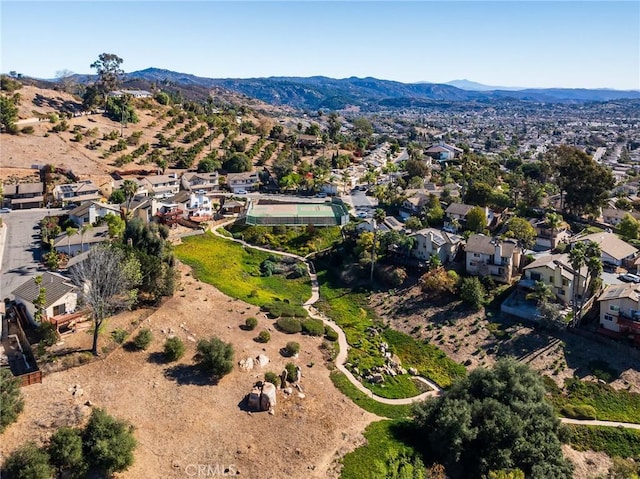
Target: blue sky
[{"x": 578, "y": 44}]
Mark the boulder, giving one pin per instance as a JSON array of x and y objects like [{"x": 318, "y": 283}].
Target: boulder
[
  {"x": 377, "y": 378},
  {"x": 413, "y": 371},
  {"x": 262, "y": 360},
  {"x": 246, "y": 364}
]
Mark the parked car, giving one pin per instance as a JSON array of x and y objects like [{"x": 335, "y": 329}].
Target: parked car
[
  {"x": 321, "y": 195},
  {"x": 629, "y": 278},
  {"x": 5, "y": 210},
  {"x": 241, "y": 192}
]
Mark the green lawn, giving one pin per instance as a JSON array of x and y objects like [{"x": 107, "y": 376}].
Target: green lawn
[
  {"x": 613, "y": 441},
  {"x": 235, "y": 271},
  {"x": 365, "y": 402},
  {"x": 609, "y": 404},
  {"x": 371, "y": 461},
  {"x": 291, "y": 239}
]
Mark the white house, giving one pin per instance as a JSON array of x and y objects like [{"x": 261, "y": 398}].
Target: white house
[
  {"x": 193, "y": 181},
  {"x": 614, "y": 250},
  {"x": 89, "y": 212},
  {"x": 247, "y": 181},
  {"x": 432, "y": 242},
  {"x": 486, "y": 256},
  {"x": 60, "y": 295},
  {"x": 200, "y": 205},
  {"x": 620, "y": 310},
  {"x": 163, "y": 186}
]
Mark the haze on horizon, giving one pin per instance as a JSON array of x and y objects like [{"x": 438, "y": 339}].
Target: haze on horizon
[{"x": 533, "y": 44}]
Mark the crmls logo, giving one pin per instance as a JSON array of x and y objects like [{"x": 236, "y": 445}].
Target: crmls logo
[{"x": 210, "y": 470}]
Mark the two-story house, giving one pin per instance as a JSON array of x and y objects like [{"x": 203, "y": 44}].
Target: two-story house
[
  {"x": 76, "y": 192},
  {"x": 549, "y": 237},
  {"x": 22, "y": 196},
  {"x": 620, "y": 311},
  {"x": 430, "y": 242},
  {"x": 455, "y": 216},
  {"x": 414, "y": 204},
  {"x": 615, "y": 251},
  {"x": 80, "y": 241},
  {"x": 493, "y": 257},
  {"x": 247, "y": 181},
  {"x": 193, "y": 181},
  {"x": 163, "y": 186},
  {"x": 556, "y": 272},
  {"x": 89, "y": 212},
  {"x": 613, "y": 216}
]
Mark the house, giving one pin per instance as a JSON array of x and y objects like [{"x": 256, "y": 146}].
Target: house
[
  {"x": 200, "y": 206},
  {"x": 133, "y": 93},
  {"x": 232, "y": 207},
  {"x": 22, "y": 196},
  {"x": 614, "y": 250},
  {"x": 163, "y": 186},
  {"x": 168, "y": 213},
  {"x": 60, "y": 295},
  {"x": 547, "y": 237},
  {"x": 432, "y": 242},
  {"x": 76, "y": 192},
  {"x": 493, "y": 257},
  {"x": 555, "y": 271},
  {"x": 455, "y": 216},
  {"x": 620, "y": 311},
  {"x": 79, "y": 241},
  {"x": 613, "y": 216},
  {"x": 414, "y": 204},
  {"x": 193, "y": 181},
  {"x": 143, "y": 186},
  {"x": 89, "y": 212},
  {"x": 443, "y": 152},
  {"x": 247, "y": 181}
]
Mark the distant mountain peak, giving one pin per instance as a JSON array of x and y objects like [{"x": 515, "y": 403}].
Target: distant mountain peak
[{"x": 475, "y": 86}]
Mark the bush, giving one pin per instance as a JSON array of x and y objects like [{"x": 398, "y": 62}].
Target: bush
[
  {"x": 330, "y": 333},
  {"x": 173, "y": 348},
  {"x": 119, "y": 335},
  {"x": 578, "y": 411},
  {"x": 11, "y": 402},
  {"x": 313, "y": 327},
  {"x": 28, "y": 462},
  {"x": 215, "y": 357},
  {"x": 277, "y": 309},
  {"x": 47, "y": 334},
  {"x": 272, "y": 378},
  {"x": 289, "y": 325},
  {"x": 251, "y": 323},
  {"x": 292, "y": 348},
  {"x": 292, "y": 372},
  {"x": 472, "y": 292},
  {"x": 27, "y": 130},
  {"x": 143, "y": 339},
  {"x": 264, "y": 336},
  {"x": 65, "y": 450},
  {"x": 602, "y": 370},
  {"x": 108, "y": 443}
]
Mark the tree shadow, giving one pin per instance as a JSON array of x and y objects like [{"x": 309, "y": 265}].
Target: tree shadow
[
  {"x": 157, "y": 358},
  {"x": 185, "y": 374}
]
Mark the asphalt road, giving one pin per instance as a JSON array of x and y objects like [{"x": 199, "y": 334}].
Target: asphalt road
[{"x": 21, "y": 258}]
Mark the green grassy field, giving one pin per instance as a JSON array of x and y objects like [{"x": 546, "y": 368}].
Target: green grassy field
[
  {"x": 291, "y": 239},
  {"x": 235, "y": 271},
  {"x": 609, "y": 404},
  {"x": 613, "y": 441}
]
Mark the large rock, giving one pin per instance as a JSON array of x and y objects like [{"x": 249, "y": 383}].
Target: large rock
[
  {"x": 377, "y": 378},
  {"x": 262, "y": 360},
  {"x": 246, "y": 364}
]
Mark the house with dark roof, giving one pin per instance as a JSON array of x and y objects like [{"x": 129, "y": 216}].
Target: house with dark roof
[
  {"x": 60, "y": 295},
  {"x": 455, "y": 216},
  {"x": 443, "y": 152},
  {"x": 613, "y": 216},
  {"x": 493, "y": 257},
  {"x": 22, "y": 196},
  {"x": 79, "y": 241},
  {"x": 76, "y": 192}
]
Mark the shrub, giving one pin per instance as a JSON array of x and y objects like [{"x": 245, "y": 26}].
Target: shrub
[
  {"x": 251, "y": 323},
  {"x": 330, "y": 333},
  {"x": 47, "y": 334},
  {"x": 277, "y": 309},
  {"x": 215, "y": 357},
  {"x": 65, "y": 450},
  {"x": 292, "y": 348},
  {"x": 289, "y": 325},
  {"x": 602, "y": 370},
  {"x": 27, "y": 130},
  {"x": 119, "y": 335},
  {"x": 313, "y": 327},
  {"x": 578, "y": 411},
  {"x": 108, "y": 443},
  {"x": 11, "y": 402},
  {"x": 264, "y": 336},
  {"x": 292, "y": 372},
  {"x": 272, "y": 378},
  {"x": 173, "y": 348},
  {"x": 472, "y": 292},
  {"x": 28, "y": 462},
  {"x": 143, "y": 339}
]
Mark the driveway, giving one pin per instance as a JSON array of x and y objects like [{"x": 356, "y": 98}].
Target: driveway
[{"x": 21, "y": 255}]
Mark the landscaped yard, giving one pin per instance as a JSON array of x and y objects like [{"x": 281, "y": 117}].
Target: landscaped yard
[
  {"x": 235, "y": 270},
  {"x": 613, "y": 441},
  {"x": 291, "y": 239}
]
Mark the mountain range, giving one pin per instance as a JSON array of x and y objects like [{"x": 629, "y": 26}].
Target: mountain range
[{"x": 319, "y": 92}]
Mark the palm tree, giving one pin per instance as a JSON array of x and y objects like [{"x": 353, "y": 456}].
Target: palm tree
[
  {"x": 584, "y": 254},
  {"x": 541, "y": 293},
  {"x": 378, "y": 217},
  {"x": 129, "y": 187},
  {"x": 70, "y": 232},
  {"x": 83, "y": 230}
]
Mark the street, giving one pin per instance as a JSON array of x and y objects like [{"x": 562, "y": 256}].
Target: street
[{"x": 21, "y": 258}]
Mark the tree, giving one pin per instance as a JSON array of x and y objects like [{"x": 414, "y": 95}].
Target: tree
[
  {"x": 208, "y": 164},
  {"x": 106, "y": 282},
  {"x": 472, "y": 292},
  {"x": 83, "y": 230},
  {"x": 583, "y": 254},
  {"x": 629, "y": 227},
  {"x": 476, "y": 220},
  {"x": 173, "y": 348},
  {"x": 541, "y": 293},
  {"x": 237, "y": 163},
  {"x": 65, "y": 451},
  {"x": 108, "y": 443},
  {"x": 11, "y": 402},
  {"x": 416, "y": 168},
  {"x": 70, "y": 232},
  {"x": 522, "y": 230},
  {"x": 115, "y": 224},
  {"x": 8, "y": 114},
  {"x": 117, "y": 197},
  {"x": 40, "y": 300},
  {"x": 28, "y": 462},
  {"x": 215, "y": 357},
  {"x": 494, "y": 419},
  {"x": 584, "y": 184},
  {"x": 129, "y": 188},
  {"x": 66, "y": 80},
  {"x": 107, "y": 67},
  {"x": 378, "y": 217}
]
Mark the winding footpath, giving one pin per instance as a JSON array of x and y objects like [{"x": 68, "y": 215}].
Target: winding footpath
[{"x": 341, "y": 358}]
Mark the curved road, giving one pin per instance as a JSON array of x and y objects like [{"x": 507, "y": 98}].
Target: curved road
[{"x": 344, "y": 346}]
